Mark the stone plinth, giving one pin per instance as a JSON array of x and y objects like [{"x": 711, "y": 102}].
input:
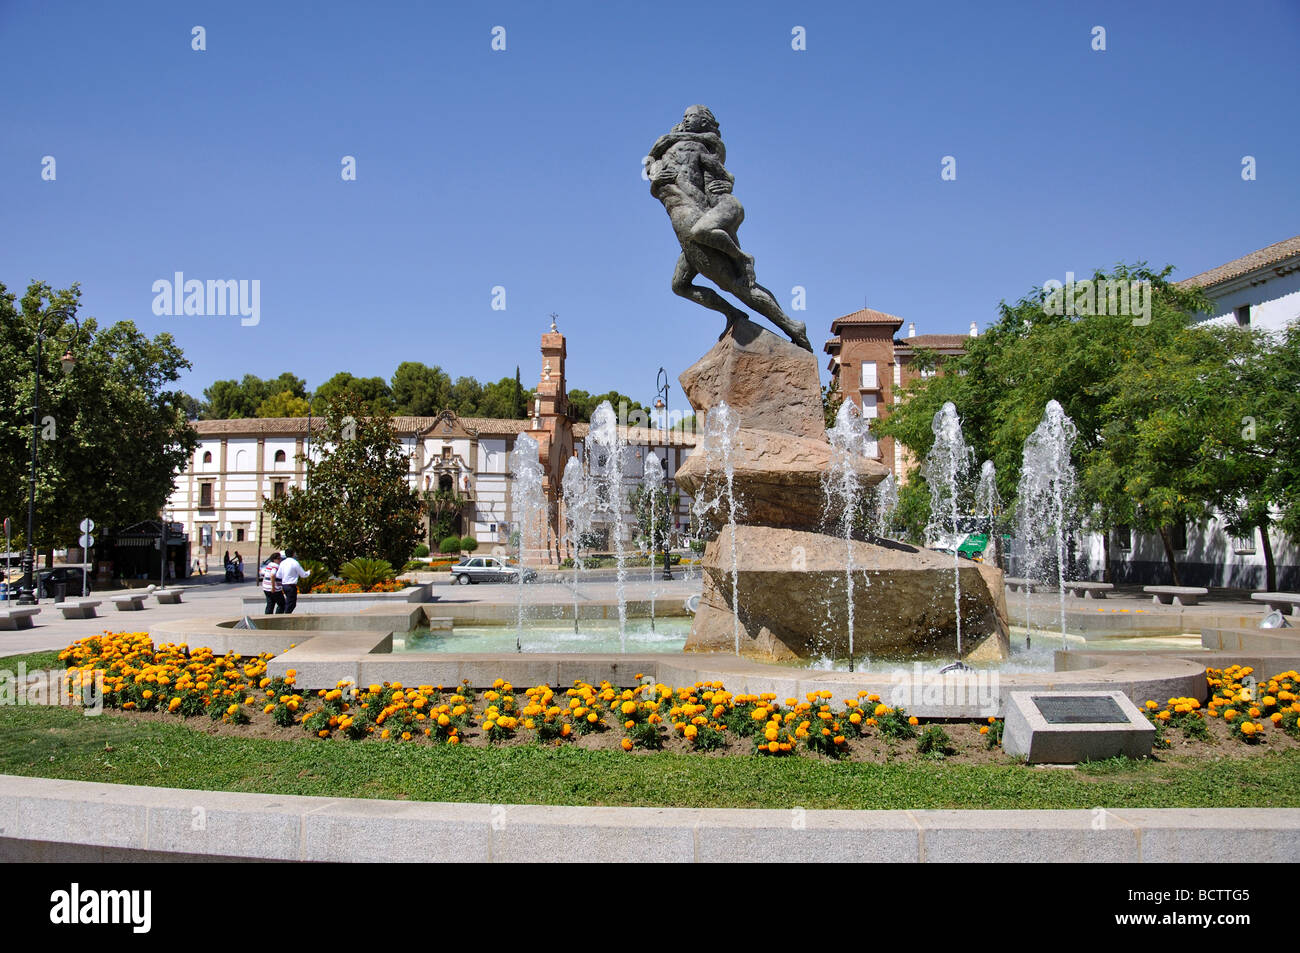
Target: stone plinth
[
  {"x": 793, "y": 599},
  {"x": 777, "y": 477},
  {"x": 1072, "y": 726},
  {"x": 769, "y": 382}
]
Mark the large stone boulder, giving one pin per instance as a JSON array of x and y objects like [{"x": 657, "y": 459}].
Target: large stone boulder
[
  {"x": 770, "y": 383},
  {"x": 777, "y": 478},
  {"x": 793, "y": 599}
]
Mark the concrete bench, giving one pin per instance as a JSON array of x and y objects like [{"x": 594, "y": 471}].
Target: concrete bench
[
  {"x": 17, "y": 617},
  {"x": 1176, "y": 595},
  {"x": 1023, "y": 585},
  {"x": 85, "y": 609},
  {"x": 129, "y": 603},
  {"x": 1089, "y": 590},
  {"x": 168, "y": 597},
  {"x": 1287, "y": 603}
]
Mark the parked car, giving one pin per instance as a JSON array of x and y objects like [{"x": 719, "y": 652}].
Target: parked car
[
  {"x": 488, "y": 569},
  {"x": 71, "y": 577}
]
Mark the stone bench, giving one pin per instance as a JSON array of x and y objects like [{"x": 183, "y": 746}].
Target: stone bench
[
  {"x": 1023, "y": 585},
  {"x": 84, "y": 609},
  {"x": 1287, "y": 603},
  {"x": 1089, "y": 590},
  {"x": 17, "y": 617},
  {"x": 1176, "y": 595},
  {"x": 129, "y": 603},
  {"x": 168, "y": 597}
]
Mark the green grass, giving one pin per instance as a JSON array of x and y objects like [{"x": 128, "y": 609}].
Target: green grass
[
  {"x": 125, "y": 749},
  {"x": 63, "y": 743}
]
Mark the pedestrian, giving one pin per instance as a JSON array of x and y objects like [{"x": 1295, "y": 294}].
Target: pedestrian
[
  {"x": 229, "y": 565},
  {"x": 289, "y": 573},
  {"x": 239, "y": 567},
  {"x": 271, "y": 586}
]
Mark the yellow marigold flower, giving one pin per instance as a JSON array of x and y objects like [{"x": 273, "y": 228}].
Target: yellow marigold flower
[
  {"x": 913, "y": 720},
  {"x": 627, "y": 744}
]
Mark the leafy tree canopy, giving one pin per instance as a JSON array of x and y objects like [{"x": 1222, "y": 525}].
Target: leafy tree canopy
[
  {"x": 113, "y": 434},
  {"x": 359, "y": 502}
]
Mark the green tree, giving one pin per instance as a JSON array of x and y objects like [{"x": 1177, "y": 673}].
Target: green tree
[
  {"x": 231, "y": 399},
  {"x": 283, "y": 404},
  {"x": 583, "y": 404},
  {"x": 1091, "y": 365},
  {"x": 114, "y": 435},
  {"x": 465, "y": 396},
  {"x": 444, "y": 508},
  {"x": 652, "y": 534},
  {"x": 1248, "y": 383},
  {"x": 831, "y": 402},
  {"x": 419, "y": 390},
  {"x": 360, "y": 502},
  {"x": 373, "y": 392}
]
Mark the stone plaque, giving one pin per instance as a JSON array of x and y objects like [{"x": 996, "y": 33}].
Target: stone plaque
[
  {"x": 1066, "y": 727},
  {"x": 1080, "y": 710}
]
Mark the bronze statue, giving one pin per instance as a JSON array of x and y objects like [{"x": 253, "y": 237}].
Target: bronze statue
[{"x": 688, "y": 175}]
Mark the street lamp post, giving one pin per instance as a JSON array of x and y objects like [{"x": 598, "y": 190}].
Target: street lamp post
[
  {"x": 27, "y": 595},
  {"x": 306, "y": 483},
  {"x": 661, "y": 404}
]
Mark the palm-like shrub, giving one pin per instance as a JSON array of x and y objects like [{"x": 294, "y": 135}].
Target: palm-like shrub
[
  {"x": 320, "y": 574},
  {"x": 366, "y": 572}
]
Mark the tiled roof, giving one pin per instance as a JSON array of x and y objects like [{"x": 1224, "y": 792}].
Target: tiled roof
[
  {"x": 289, "y": 426},
  {"x": 934, "y": 341},
  {"x": 642, "y": 435},
  {"x": 865, "y": 316},
  {"x": 1246, "y": 263},
  {"x": 295, "y": 426}
]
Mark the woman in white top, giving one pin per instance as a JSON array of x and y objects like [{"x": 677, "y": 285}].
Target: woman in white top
[{"x": 271, "y": 586}]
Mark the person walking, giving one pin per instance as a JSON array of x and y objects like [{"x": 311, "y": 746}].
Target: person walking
[
  {"x": 271, "y": 586},
  {"x": 289, "y": 573},
  {"x": 239, "y": 567},
  {"x": 230, "y": 567}
]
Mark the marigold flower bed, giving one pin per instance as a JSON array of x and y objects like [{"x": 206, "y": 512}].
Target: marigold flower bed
[{"x": 236, "y": 693}]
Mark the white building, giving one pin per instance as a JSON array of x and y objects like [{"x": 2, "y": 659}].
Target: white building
[{"x": 240, "y": 463}]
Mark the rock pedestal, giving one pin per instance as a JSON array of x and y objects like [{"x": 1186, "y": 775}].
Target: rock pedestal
[{"x": 792, "y": 590}]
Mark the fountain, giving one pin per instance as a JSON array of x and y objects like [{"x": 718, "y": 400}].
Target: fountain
[
  {"x": 850, "y": 442},
  {"x": 528, "y": 503},
  {"x": 886, "y": 505},
  {"x": 653, "y": 479},
  {"x": 579, "y": 512},
  {"x": 609, "y": 447},
  {"x": 1046, "y": 496},
  {"x": 988, "y": 504},
  {"x": 945, "y": 471},
  {"x": 771, "y": 574}
]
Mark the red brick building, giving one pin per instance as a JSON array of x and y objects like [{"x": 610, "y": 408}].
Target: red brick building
[{"x": 870, "y": 365}]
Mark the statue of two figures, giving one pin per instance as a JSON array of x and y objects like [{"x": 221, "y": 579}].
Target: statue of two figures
[{"x": 688, "y": 174}]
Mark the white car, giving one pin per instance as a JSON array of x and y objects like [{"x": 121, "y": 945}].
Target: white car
[{"x": 488, "y": 569}]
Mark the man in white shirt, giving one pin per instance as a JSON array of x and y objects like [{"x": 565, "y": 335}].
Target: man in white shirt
[{"x": 289, "y": 573}]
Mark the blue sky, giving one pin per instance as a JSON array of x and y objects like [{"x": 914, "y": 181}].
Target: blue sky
[{"x": 522, "y": 168}]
